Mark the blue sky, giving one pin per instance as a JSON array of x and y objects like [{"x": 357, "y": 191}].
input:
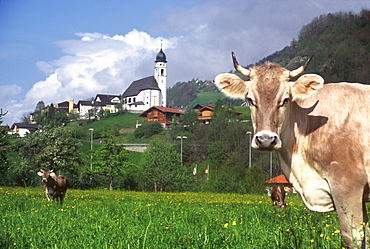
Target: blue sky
[{"x": 54, "y": 50}]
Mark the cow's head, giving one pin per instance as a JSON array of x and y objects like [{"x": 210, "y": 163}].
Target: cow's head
[
  {"x": 269, "y": 92},
  {"x": 45, "y": 174}
]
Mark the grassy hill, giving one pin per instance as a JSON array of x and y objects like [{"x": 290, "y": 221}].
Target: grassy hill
[{"x": 206, "y": 98}]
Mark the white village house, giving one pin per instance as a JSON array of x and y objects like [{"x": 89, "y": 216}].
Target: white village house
[{"x": 22, "y": 129}]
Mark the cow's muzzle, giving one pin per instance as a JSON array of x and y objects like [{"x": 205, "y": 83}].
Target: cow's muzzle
[
  {"x": 266, "y": 140},
  {"x": 44, "y": 180}
]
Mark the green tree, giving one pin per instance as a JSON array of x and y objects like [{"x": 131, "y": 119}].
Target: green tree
[
  {"x": 40, "y": 106},
  {"x": 111, "y": 160},
  {"x": 255, "y": 180},
  {"x": 147, "y": 130},
  {"x": 51, "y": 117},
  {"x": 190, "y": 120},
  {"x": 217, "y": 157},
  {"x": 4, "y": 143},
  {"x": 161, "y": 168},
  {"x": 54, "y": 148}
]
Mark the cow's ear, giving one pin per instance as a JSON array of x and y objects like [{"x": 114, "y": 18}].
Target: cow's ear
[
  {"x": 305, "y": 86},
  {"x": 39, "y": 173},
  {"x": 52, "y": 174},
  {"x": 231, "y": 85}
]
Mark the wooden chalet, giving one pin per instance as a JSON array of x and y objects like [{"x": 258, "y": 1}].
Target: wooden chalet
[
  {"x": 160, "y": 114},
  {"x": 206, "y": 112}
]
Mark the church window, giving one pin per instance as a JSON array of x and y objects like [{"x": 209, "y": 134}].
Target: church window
[{"x": 162, "y": 72}]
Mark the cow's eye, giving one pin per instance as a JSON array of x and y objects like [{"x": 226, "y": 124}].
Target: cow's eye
[
  {"x": 251, "y": 102},
  {"x": 284, "y": 102}
]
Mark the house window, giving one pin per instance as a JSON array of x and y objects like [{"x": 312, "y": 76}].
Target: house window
[
  {"x": 129, "y": 100},
  {"x": 134, "y": 100}
]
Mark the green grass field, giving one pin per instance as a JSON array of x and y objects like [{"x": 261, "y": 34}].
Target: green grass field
[{"x": 118, "y": 219}]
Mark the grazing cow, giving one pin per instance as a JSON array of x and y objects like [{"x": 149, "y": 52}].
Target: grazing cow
[
  {"x": 55, "y": 186},
  {"x": 321, "y": 134},
  {"x": 278, "y": 197}
]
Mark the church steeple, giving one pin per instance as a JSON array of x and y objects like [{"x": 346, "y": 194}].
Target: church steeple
[{"x": 160, "y": 74}]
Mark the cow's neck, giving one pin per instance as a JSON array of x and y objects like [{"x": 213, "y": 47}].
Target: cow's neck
[
  {"x": 288, "y": 135},
  {"x": 51, "y": 179}
]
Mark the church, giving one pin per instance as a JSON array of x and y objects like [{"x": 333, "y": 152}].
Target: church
[{"x": 149, "y": 91}]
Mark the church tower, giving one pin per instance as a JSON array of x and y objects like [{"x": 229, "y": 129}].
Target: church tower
[{"x": 160, "y": 75}]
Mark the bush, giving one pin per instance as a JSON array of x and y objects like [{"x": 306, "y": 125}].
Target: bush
[{"x": 148, "y": 129}]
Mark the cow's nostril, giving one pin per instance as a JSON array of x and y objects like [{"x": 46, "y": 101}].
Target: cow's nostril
[{"x": 266, "y": 142}]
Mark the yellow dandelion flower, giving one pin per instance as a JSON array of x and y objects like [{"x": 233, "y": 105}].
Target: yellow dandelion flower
[
  {"x": 312, "y": 240},
  {"x": 327, "y": 225},
  {"x": 234, "y": 223},
  {"x": 337, "y": 231},
  {"x": 322, "y": 235},
  {"x": 288, "y": 230},
  {"x": 226, "y": 225}
]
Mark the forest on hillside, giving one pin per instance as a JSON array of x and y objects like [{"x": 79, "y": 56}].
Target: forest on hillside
[{"x": 339, "y": 43}]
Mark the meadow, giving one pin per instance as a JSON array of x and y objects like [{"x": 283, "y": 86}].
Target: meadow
[{"x": 122, "y": 219}]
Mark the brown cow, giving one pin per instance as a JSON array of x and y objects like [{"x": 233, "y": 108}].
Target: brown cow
[
  {"x": 278, "y": 197},
  {"x": 321, "y": 134},
  {"x": 55, "y": 186}
]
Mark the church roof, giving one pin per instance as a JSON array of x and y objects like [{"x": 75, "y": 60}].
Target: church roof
[
  {"x": 148, "y": 83},
  {"x": 161, "y": 57}
]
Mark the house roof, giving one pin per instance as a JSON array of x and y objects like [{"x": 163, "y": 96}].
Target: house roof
[
  {"x": 161, "y": 109},
  {"x": 84, "y": 102},
  {"x": 64, "y": 104},
  {"x": 90, "y": 103},
  {"x": 106, "y": 98},
  {"x": 199, "y": 106},
  {"x": 206, "y": 107},
  {"x": 278, "y": 179},
  {"x": 148, "y": 83},
  {"x": 30, "y": 127}
]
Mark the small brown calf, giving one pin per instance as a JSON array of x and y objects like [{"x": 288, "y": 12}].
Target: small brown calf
[{"x": 278, "y": 196}]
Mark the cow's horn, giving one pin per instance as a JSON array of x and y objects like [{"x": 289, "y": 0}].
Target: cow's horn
[
  {"x": 300, "y": 70},
  {"x": 51, "y": 171},
  {"x": 239, "y": 68}
]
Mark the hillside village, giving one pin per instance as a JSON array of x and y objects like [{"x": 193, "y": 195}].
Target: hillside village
[
  {"x": 140, "y": 95},
  {"x": 147, "y": 97}
]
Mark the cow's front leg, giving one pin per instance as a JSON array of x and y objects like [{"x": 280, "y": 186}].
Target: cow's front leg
[
  {"x": 353, "y": 226},
  {"x": 47, "y": 194},
  {"x": 351, "y": 209}
]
